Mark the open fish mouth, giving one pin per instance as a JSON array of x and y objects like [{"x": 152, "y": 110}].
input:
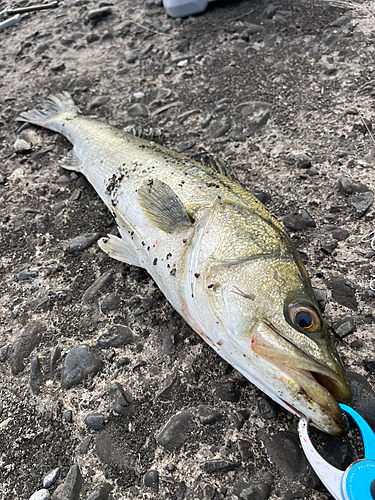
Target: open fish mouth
[{"x": 314, "y": 390}]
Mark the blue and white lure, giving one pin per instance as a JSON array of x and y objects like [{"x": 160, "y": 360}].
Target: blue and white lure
[{"x": 357, "y": 482}]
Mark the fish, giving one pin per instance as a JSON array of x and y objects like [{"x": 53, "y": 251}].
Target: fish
[{"x": 220, "y": 258}]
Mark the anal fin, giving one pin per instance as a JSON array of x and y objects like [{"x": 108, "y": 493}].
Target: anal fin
[
  {"x": 71, "y": 161},
  {"x": 120, "y": 249}
]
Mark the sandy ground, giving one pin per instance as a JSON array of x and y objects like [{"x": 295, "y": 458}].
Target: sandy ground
[{"x": 306, "y": 63}]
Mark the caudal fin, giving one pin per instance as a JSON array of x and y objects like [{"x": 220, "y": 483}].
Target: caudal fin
[{"x": 56, "y": 107}]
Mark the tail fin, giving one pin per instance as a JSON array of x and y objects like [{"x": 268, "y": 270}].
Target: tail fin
[{"x": 55, "y": 105}]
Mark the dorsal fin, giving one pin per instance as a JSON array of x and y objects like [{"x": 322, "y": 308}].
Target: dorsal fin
[{"x": 162, "y": 206}]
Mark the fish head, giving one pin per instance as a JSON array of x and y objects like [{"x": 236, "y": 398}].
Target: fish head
[
  {"x": 271, "y": 318},
  {"x": 256, "y": 307}
]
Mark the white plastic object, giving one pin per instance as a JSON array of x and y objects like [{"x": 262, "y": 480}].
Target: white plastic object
[{"x": 183, "y": 8}]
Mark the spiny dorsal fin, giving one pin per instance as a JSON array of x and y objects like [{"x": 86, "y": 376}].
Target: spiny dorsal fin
[{"x": 162, "y": 206}]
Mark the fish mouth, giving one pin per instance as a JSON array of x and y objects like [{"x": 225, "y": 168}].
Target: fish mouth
[{"x": 314, "y": 390}]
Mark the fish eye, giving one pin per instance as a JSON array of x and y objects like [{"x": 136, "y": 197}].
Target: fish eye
[{"x": 304, "y": 316}]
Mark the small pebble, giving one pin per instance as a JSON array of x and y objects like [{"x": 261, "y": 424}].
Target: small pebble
[
  {"x": 174, "y": 433},
  {"x": 21, "y": 146},
  {"x": 98, "y": 14},
  {"x": 117, "y": 336},
  {"x": 123, "y": 401},
  {"x": 345, "y": 185},
  {"x": 99, "y": 101},
  {"x": 41, "y": 495},
  {"x": 344, "y": 327},
  {"x": 101, "y": 492},
  {"x": 93, "y": 290},
  {"x": 220, "y": 127},
  {"x": 58, "y": 66},
  {"x": 184, "y": 146},
  {"x": 218, "y": 465},
  {"x": 302, "y": 161},
  {"x": 370, "y": 365},
  {"x": 68, "y": 416},
  {"x": 138, "y": 95},
  {"x": 95, "y": 421},
  {"x": 298, "y": 221},
  {"x": 26, "y": 275},
  {"x": 51, "y": 477},
  {"x": 151, "y": 480},
  {"x": 130, "y": 56},
  {"x": 80, "y": 243},
  {"x": 138, "y": 110},
  {"x": 36, "y": 376},
  {"x": 110, "y": 302}
]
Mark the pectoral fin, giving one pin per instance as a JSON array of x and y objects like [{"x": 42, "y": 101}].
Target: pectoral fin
[{"x": 162, "y": 206}]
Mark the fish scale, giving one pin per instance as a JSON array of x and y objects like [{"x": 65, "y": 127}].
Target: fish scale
[{"x": 220, "y": 258}]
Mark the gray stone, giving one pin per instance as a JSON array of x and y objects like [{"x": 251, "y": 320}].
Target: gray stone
[
  {"x": 269, "y": 11},
  {"x": 110, "y": 302},
  {"x": 58, "y": 66},
  {"x": 331, "y": 40},
  {"x": 184, "y": 146},
  {"x": 341, "y": 21},
  {"x": 4, "y": 353},
  {"x": 285, "y": 453},
  {"x": 117, "y": 336},
  {"x": 363, "y": 397},
  {"x": 97, "y": 15},
  {"x": 220, "y": 127},
  {"x": 51, "y": 477},
  {"x": 26, "y": 275},
  {"x": 345, "y": 185},
  {"x": 302, "y": 161},
  {"x": 163, "y": 93},
  {"x": 237, "y": 135},
  {"x": 92, "y": 37},
  {"x": 24, "y": 345},
  {"x": 138, "y": 110},
  {"x": 41, "y": 48},
  {"x": 252, "y": 29},
  {"x": 83, "y": 447},
  {"x": 55, "y": 355},
  {"x": 130, "y": 56},
  {"x": 343, "y": 292},
  {"x": 80, "y": 362},
  {"x": 41, "y": 495},
  {"x": 101, "y": 492},
  {"x": 252, "y": 109},
  {"x": 218, "y": 465},
  {"x": 226, "y": 391},
  {"x": 362, "y": 202},
  {"x": 98, "y": 285},
  {"x": 36, "y": 376},
  {"x": 174, "y": 433},
  {"x": 269, "y": 40},
  {"x": 95, "y": 421},
  {"x": 207, "y": 120},
  {"x": 123, "y": 401},
  {"x": 370, "y": 365},
  {"x": 256, "y": 491},
  {"x": 208, "y": 416},
  {"x": 68, "y": 416},
  {"x": 244, "y": 449},
  {"x": 80, "y": 243},
  {"x": 151, "y": 480},
  {"x": 298, "y": 221},
  {"x": 99, "y": 101},
  {"x": 321, "y": 297},
  {"x": 267, "y": 408},
  {"x": 328, "y": 245},
  {"x": 72, "y": 485},
  {"x": 21, "y": 146},
  {"x": 344, "y": 327},
  {"x": 340, "y": 234}
]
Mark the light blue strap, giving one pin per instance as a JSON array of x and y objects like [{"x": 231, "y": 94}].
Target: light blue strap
[{"x": 367, "y": 433}]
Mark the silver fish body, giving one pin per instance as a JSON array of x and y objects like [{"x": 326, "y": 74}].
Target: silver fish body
[{"x": 223, "y": 262}]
